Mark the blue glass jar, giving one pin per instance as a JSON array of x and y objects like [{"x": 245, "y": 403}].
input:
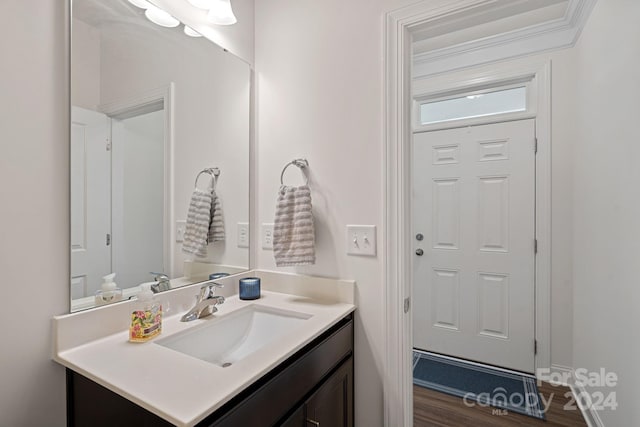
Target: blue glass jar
[{"x": 250, "y": 288}]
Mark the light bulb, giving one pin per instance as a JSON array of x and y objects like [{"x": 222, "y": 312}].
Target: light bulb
[
  {"x": 160, "y": 17},
  {"x": 221, "y": 13},
  {"x": 191, "y": 32},
  {"x": 201, "y": 4},
  {"x": 142, "y": 4}
]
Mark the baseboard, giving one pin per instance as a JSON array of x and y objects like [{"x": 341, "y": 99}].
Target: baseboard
[
  {"x": 564, "y": 375},
  {"x": 589, "y": 413},
  {"x": 561, "y": 375}
]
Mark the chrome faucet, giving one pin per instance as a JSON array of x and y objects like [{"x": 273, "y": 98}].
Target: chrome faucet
[
  {"x": 163, "y": 283},
  {"x": 206, "y": 303}
]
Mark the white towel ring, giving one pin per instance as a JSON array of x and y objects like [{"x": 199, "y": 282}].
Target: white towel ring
[
  {"x": 301, "y": 163},
  {"x": 214, "y": 172}
]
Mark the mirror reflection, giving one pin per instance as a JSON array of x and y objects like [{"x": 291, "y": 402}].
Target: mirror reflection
[{"x": 154, "y": 114}]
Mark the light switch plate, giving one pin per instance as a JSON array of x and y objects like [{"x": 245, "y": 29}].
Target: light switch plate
[
  {"x": 266, "y": 234},
  {"x": 361, "y": 240},
  {"x": 181, "y": 225},
  {"x": 243, "y": 234}
]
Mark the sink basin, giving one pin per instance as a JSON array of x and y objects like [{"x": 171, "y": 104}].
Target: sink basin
[{"x": 232, "y": 337}]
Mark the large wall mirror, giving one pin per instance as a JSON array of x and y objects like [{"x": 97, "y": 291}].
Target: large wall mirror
[{"x": 155, "y": 114}]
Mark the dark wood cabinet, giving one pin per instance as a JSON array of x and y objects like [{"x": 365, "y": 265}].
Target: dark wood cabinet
[
  {"x": 296, "y": 419},
  {"x": 332, "y": 404},
  {"x": 314, "y": 387}
]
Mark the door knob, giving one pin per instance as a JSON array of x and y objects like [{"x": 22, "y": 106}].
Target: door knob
[{"x": 419, "y": 252}]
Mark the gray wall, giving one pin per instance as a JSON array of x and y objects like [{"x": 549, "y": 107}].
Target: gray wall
[
  {"x": 34, "y": 188},
  {"x": 34, "y": 209},
  {"x": 34, "y": 212},
  {"x": 320, "y": 83},
  {"x": 606, "y": 236}
]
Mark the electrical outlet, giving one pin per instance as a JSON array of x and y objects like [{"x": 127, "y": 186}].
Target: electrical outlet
[
  {"x": 266, "y": 233},
  {"x": 361, "y": 240},
  {"x": 181, "y": 225},
  {"x": 243, "y": 234}
]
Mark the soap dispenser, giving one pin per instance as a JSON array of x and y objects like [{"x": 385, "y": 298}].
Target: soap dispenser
[
  {"x": 109, "y": 291},
  {"x": 146, "y": 319}
]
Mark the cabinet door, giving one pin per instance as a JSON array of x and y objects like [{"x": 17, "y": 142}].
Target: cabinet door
[
  {"x": 295, "y": 420},
  {"x": 332, "y": 404}
]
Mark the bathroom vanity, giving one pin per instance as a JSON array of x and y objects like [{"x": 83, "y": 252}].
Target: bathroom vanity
[
  {"x": 292, "y": 366},
  {"x": 315, "y": 385}
]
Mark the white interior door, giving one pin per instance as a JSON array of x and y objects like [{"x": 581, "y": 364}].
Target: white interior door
[
  {"x": 90, "y": 201},
  {"x": 474, "y": 205},
  {"x": 137, "y": 197}
]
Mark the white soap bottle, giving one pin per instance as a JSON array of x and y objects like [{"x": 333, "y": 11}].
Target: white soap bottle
[{"x": 109, "y": 291}]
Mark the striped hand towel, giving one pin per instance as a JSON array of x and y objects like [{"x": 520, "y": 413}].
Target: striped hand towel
[
  {"x": 293, "y": 234},
  {"x": 216, "y": 226},
  {"x": 198, "y": 221}
]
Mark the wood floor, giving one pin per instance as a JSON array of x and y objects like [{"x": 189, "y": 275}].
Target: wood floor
[{"x": 432, "y": 408}]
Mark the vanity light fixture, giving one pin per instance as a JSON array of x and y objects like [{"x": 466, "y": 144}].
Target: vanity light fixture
[
  {"x": 160, "y": 17},
  {"x": 142, "y": 4},
  {"x": 201, "y": 4},
  {"x": 191, "y": 32},
  {"x": 221, "y": 13}
]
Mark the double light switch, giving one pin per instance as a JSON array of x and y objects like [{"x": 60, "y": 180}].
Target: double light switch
[{"x": 361, "y": 240}]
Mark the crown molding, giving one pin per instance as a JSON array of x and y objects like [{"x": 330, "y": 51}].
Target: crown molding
[{"x": 551, "y": 35}]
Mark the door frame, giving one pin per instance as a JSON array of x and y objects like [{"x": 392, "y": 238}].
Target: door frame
[
  {"x": 398, "y": 394},
  {"x": 140, "y": 103}
]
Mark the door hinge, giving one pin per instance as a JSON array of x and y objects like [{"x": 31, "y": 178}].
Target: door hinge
[
  {"x": 535, "y": 145},
  {"x": 108, "y": 239},
  {"x": 407, "y": 304},
  {"x": 535, "y": 246},
  {"x": 108, "y": 144},
  {"x": 535, "y": 346}
]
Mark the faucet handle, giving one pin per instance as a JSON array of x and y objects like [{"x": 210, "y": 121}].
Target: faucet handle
[
  {"x": 159, "y": 276},
  {"x": 208, "y": 290},
  {"x": 163, "y": 283}
]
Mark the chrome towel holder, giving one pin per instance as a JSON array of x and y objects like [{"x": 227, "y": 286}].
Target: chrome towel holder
[
  {"x": 300, "y": 163},
  {"x": 214, "y": 172}
]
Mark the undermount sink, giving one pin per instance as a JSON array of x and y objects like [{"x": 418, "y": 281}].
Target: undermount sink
[{"x": 225, "y": 340}]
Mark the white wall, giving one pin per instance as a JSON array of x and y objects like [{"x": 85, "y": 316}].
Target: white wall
[
  {"x": 137, "y": 162},
  {"x": 606, "y": 231},
  {"x": 562, "y": 142},
  {"x": 320, "y": 95},
  {"x": 85, "y": 66},
  {"x": 319, "y": 69},
  {"x": 34, "y": 217},
  {"x": 211, "y": 118}
]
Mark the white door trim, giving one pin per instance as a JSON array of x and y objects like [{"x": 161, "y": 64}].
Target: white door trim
[
  {"x": 138, "y": 104},
  {"x": 398, "y": 393}
]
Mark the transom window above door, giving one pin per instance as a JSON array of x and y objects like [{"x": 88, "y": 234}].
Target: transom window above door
[{"x": 473, "y": 105}]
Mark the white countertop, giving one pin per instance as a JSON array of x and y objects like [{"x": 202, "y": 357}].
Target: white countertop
[{"x": 182, "y": 389}]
